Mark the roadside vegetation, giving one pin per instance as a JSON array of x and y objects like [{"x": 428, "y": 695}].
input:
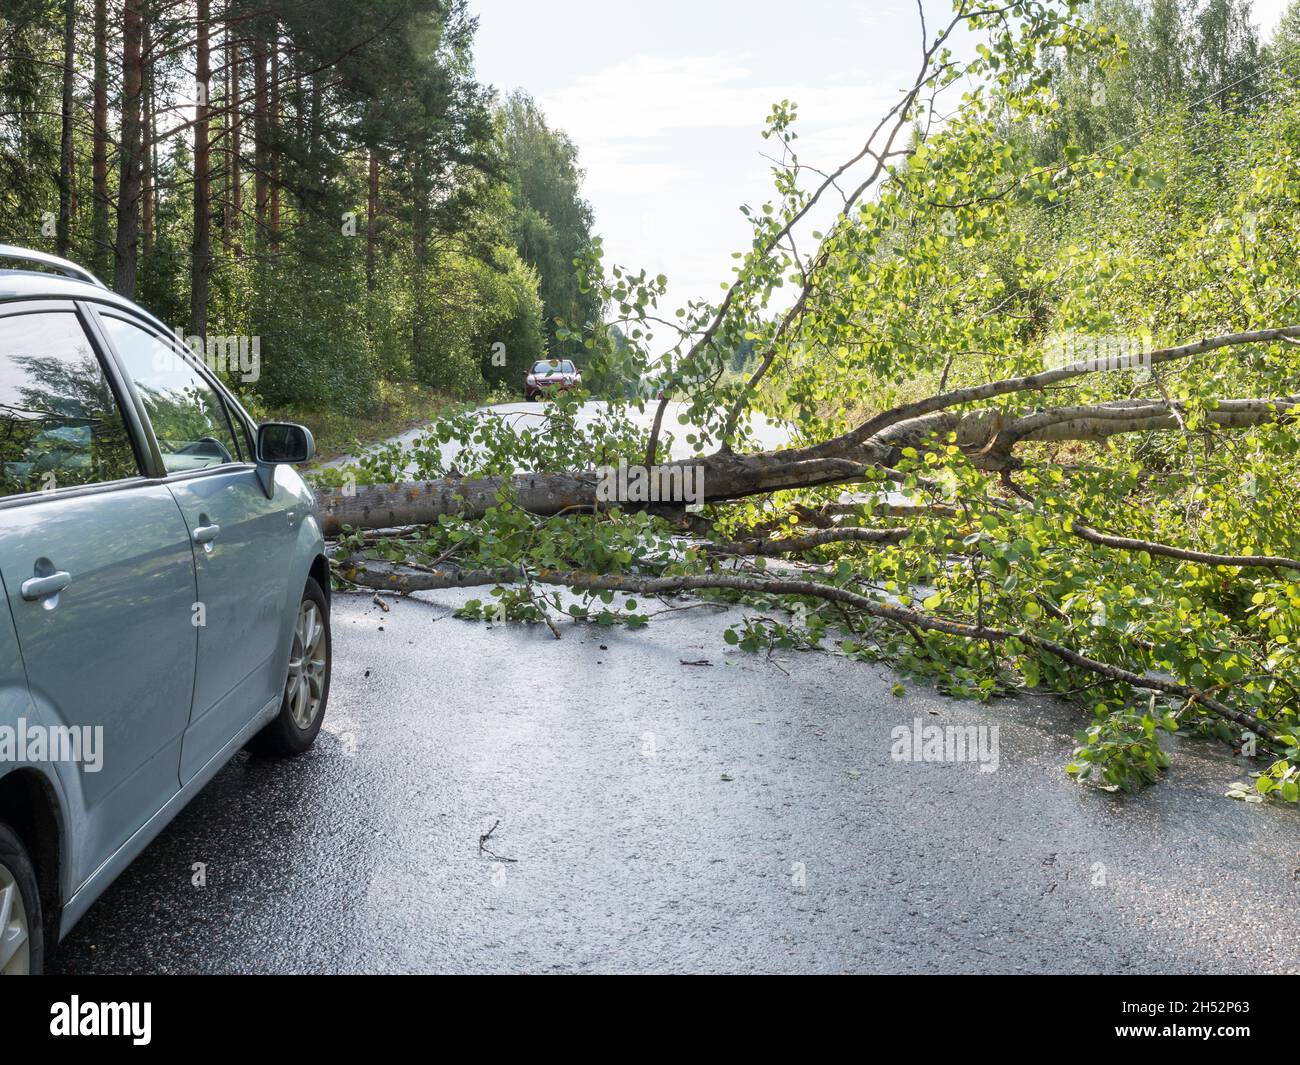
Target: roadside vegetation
[
  {"x": 326, "y": 177},
  {"x": 399, "y": 409}
]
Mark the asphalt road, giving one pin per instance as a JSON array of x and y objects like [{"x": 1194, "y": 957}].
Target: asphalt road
[
  {"x": 743, "y": 815},
  {"x": 520, "y": 415},
  {"x": 650, "y": 815}
]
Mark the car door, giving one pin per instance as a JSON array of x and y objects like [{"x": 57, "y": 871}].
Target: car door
[
  {"x": 243, "y": 539},
  {"x": 98, "y": 573}
]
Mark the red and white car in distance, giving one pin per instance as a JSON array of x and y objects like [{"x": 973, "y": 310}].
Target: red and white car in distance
[{"x": 550, "y": 375}]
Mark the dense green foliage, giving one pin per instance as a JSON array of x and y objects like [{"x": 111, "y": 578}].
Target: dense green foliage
[
  {"x": 552, "y": 226},
  {"x": 384, "y": 218}
]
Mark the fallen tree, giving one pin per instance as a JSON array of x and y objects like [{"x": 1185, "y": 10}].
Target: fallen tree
[
  {"x": 1104, "y": 528},
  {"x": 986, "y": 437},
  {"x": 379, "y": 578},
  {"x": 386, "y": 506}
]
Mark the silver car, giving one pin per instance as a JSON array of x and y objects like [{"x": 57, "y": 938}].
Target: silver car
[{"x": 166, "y": 584}]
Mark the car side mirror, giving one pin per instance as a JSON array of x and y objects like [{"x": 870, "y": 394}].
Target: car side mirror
[
  {"x": 284, "y": 442},
  {"x": 281, "y": 443}
]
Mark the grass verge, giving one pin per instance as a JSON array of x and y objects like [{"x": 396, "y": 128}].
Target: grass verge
[{"x": 402, "y": 406}]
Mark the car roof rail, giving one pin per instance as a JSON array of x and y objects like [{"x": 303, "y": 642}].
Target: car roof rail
[{"x": 62, "y": 266}]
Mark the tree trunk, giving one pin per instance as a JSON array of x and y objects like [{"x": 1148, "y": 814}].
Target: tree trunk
[
  {"x": 721, "y": 477},
  {"x": 869, "y": 453},
  {"x": 99, "y": 147},
  {"x": 148, "y": 178},
  {"x": 384, "y": 577},
  {"x": 201, "y": 247},
  {"x": 372, "y": 221},
  {"x": 234, "y": 173},
  {"x": 300, "y": 116},
  {"x": 420, "y": 255},
  {"x": 274, "y": 127},
  {"x": 261, "y": 132},
  {"x": 986, "y": 437},
  {"x": 64, "y": 229},
  {"x": 130, "y": 152},
  {"x": 314, "y": 149}
]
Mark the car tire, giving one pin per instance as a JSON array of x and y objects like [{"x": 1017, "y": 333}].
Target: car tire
[
  {"x": 307, "y": 686},
  {"x": 22, "y": 935}
]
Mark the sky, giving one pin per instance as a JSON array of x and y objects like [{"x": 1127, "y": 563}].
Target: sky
[{"x": 666, "y": 102}]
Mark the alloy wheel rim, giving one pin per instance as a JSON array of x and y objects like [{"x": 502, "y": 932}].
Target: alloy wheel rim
[
  {"x": 15, "y": 940},
  {"x": 305, "y": 688}
]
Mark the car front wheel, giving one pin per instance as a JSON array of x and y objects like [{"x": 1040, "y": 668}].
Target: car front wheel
[
  {"x": 22, "y": 941},
  {"x": 307, "y": 687}
]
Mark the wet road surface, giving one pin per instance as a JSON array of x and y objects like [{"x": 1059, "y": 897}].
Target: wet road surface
[
  {"x": 666, "y": 817},
  {"x": 530, "y": 415}
]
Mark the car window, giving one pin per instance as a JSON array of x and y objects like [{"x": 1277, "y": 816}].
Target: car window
[
  {"x": 60, "y": 424},
  {"x": 188, "y": 416},
  {"x": 553, "y": 366}
]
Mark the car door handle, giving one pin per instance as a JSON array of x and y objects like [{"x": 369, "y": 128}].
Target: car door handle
[
  {"x": 43, "y": 587},
  {"x": 205, "y": 534}
]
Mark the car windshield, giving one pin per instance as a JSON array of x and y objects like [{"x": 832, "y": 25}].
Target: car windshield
[{"x": 553, "y": 366}]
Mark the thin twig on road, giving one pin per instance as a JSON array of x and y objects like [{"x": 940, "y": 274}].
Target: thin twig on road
[{"x": 483, "y": 848}]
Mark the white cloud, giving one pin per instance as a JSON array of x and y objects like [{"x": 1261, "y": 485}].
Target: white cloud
[
  {"x": 672, "y": 147},
  {"x": 654, "y": 96}
]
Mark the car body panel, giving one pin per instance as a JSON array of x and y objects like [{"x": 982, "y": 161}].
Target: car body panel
[
  {"x": 33, "y": 284},
  {"x": 135, "y": 548},
  {"x": 245, "y": 577},
  {"x": 81, "y": 899},
  {"x": 16, "y": 705},
  {"x": 114, "y": 650}
]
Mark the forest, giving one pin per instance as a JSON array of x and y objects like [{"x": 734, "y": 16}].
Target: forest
[{"x": 328, "y": 178}]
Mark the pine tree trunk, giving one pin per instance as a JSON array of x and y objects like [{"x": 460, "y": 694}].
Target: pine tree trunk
[
  {"x": 314, "y": 120},
  {"x": 234, "y": 179},
  {"x": 147, "y": 178},
  {"x": 130, "y": 153},
  {"x": 65, "y": 143},
  {"x": 261, "y": 132},
  {"x": 201, "y": 248},
  {"x": 372, "y": 222},
  {"x": 420, "y": 256},
  {"x": 274, "y": 126},
  {"x": 99, "y": 146}
]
